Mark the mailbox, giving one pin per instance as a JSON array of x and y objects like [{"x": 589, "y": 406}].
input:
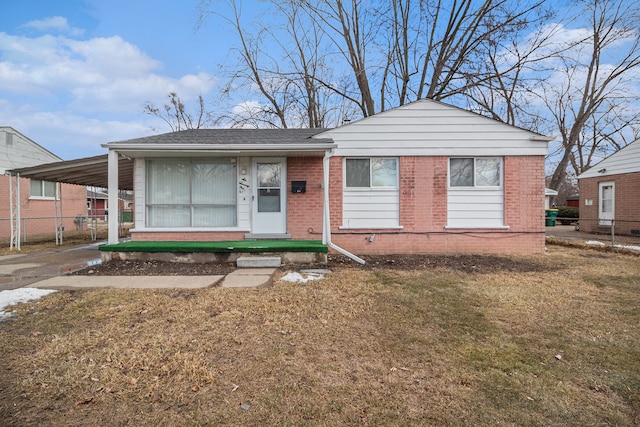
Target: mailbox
[{"x": 298, "y": 186}]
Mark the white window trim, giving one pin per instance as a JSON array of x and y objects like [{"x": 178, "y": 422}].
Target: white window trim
[
  {"x": 56, "y": 197},
  {"x": 156, "y": 229},
  {"x": 370, "y": 187},
  {"x": 475, "y": 187}
]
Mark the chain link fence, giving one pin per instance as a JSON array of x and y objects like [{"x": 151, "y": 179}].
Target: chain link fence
[{"x": 616, "y": 234}]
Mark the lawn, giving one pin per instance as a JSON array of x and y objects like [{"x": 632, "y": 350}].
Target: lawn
[{"x": 549, "y": 339}]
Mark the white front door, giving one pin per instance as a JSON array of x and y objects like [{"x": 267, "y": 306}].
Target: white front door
[
  {"x": 606, "y": 203},
  {"x": 269, "y": 196}
]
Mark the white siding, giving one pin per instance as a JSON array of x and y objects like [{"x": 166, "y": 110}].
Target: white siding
[
  {"x": 430, "y": 128},
  {"x": 18, "y": 151},
  {"x": 244, "y": 193},
  {"x": 473, "y": 208},
  {"x": 371, "y": 208},
  {"x": 627, "y": 160},
  {"x": 139, "y": 191}
]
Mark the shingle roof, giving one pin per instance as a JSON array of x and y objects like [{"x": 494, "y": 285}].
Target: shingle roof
[{"x": 232, "y": 136}]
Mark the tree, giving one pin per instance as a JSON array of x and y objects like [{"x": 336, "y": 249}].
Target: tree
[
  {"x": 370, "y": 54},
  {"x": 589, "y": 97},
  {"x": 177, "y": 117}
]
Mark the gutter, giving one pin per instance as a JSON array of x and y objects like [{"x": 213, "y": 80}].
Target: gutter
[
  {"x": 218, "y": 147},
  {"x": 326, "y": 229}
]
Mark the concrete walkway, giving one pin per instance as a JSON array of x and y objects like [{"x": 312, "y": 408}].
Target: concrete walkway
[
  {"x": 18, "y": 270},
  {"x": 49, "y": 269}
]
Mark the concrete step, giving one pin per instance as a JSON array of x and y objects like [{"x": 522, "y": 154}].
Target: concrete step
[{"x": 258, "y": 261}]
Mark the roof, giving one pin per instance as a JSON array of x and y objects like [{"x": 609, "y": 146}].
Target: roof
[
  {"x": 625, "y": 160},
  {"x": 91, "y": 171},
  {"x": 550, "y": 192},
  {"x": 229, "y": 136},
  {"x": 97, "y": 195},
  {"x": 274, "y": 142}
]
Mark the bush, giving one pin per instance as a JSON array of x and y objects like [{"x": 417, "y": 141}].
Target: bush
[{"x": 567, "y": 215}]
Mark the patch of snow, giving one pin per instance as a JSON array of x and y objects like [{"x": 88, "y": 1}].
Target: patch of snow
[
  {"x": 15, "y": 296},
  {"x": 633, "y": 248},
  {"x": 296, "y": 277},
  {"x": 597, "y": 243}
]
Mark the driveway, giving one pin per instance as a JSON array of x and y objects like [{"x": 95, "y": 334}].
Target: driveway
[{"x": 24, "y": 269}]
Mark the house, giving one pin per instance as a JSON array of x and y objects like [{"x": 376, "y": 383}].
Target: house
[
  {"x": 549, "y": 194},
  {"x": 422, "y": 178},
  {"x": 41, "y": 203},
  {"x": 610, "y": 193},
  {"x": 97, "y": 204}
]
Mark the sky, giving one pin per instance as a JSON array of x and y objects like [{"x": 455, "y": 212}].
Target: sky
[{"x": 75, "y": 74}]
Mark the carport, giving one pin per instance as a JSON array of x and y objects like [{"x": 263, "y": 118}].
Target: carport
[{"x": 88, "y": 171}]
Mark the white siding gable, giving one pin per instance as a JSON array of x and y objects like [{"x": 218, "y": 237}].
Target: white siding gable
[
  {"x": 18, "y": 151},
  {"x": 430, "y": 128},
  {"x": 626, "y": 160}
]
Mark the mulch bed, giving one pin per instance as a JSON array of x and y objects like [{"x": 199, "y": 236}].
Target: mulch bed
[{"x": 462, "y": 263}]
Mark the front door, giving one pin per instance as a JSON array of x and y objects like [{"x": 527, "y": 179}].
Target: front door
[
  {"x": 606, "y": 204},
  {"x": 269, "y": 196}
]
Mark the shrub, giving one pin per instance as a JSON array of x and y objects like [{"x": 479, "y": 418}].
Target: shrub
[{"x": 567, "y": 215}]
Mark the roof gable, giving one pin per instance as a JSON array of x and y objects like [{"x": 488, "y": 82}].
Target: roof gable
[
  {"x": 625, "y": 160},
  {"x": 18, "y": 151},
  {"x": 428, "y": 127}
]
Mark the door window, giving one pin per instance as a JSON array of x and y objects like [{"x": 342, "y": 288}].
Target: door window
[{"x": 269, "y": 187}]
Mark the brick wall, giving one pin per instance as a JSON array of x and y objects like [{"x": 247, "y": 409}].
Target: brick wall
[
  {"x": 626, "y": 203},
  {"x": 304, "y": 210},
  {"x": 38, "y": 215},
  {"x": 423, "y": 212}
]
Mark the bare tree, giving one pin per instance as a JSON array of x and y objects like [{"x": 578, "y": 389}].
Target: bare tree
[
  {"x": 588, "y": 97},
  {"x": 175, "y": 114}
]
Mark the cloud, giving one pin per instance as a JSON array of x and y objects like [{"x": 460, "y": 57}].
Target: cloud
[
  {"x": 105, "y": 74},
  {"x": 54, "y": 23},
  {"x": 72, "y": 95}
]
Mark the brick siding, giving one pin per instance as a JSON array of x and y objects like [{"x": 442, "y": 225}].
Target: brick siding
[
  {"x": 38, "y": 215},
  {"x": 626, "y": 203}
]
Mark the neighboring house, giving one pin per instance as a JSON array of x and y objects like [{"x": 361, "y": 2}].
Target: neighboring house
[
  {"x": 422, "y": 178},
  {"x": 610, "y": 191},
  {"x": 38, "y": 199},
  {"x": 97, "y": 204},
  {"x": 549, "y": 195}
]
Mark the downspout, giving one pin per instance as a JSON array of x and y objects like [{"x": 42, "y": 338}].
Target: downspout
[{"x": 326, "y": 229}]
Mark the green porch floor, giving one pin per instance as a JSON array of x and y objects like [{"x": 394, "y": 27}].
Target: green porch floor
[{"x": 248, "y": 246}]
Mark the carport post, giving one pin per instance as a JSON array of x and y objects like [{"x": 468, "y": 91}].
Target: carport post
[{"x": 113, "y": 197}]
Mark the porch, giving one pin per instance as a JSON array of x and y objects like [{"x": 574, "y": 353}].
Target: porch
[{"x": 290, "y": 251}]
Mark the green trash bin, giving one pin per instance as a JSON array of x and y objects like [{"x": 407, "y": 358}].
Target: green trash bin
[{"x": 550, "y": 216}]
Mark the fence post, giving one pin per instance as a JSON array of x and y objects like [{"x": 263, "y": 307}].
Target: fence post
[{"x": 613, "y": 238}]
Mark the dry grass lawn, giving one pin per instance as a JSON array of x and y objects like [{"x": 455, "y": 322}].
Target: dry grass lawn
[{"x": 556, "y": 342}]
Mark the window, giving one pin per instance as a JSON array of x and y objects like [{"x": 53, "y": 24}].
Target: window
[
  {"x": 191, "y": 192},
  {"x": 43, "y": 189},
  {"x": 475, "y": 172},
  {"x": 374, "y": 172},
  {"x": 371, "y": 196},
  {"x": 475, "y": 197}
]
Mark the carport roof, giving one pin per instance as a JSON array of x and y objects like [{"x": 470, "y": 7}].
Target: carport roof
[{"x": 92, "y": 171}]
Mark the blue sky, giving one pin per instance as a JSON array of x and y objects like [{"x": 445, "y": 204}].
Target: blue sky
[{"x": 77, "y": 73}]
